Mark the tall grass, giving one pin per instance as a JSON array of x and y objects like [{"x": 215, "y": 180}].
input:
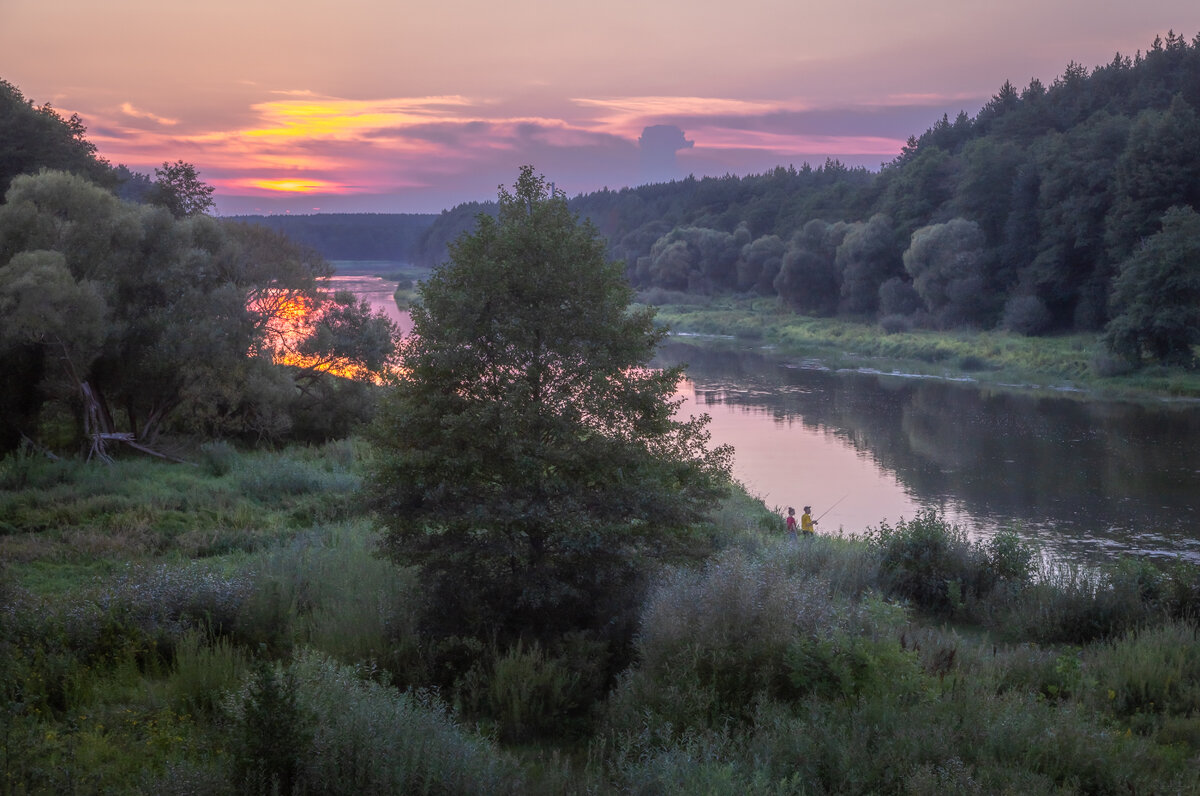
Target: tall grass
[
  {"x": 910, "y": 660},
  {"x": 368, "y": 738},
  {"x": 754, "y": 676},
  {"x": 327, "y": 589}
]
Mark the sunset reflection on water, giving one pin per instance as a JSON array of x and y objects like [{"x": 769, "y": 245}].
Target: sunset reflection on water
[{"x": 787, "y": 463}]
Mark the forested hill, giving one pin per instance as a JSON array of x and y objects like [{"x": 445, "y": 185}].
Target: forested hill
[
  {"x": 1020, "y": 215},
  {"x": 1067, "y": 206},
  {"x": 354, "y": 236}
]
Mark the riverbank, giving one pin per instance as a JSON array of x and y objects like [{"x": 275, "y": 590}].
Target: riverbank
[{"x": 1075, "y": 363}]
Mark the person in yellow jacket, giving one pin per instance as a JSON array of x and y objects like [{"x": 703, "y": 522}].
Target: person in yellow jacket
[{"x": 806, "y": 521}]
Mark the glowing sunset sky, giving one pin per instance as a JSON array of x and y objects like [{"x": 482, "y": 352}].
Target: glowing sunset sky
[{"x": 386, "y": 106}]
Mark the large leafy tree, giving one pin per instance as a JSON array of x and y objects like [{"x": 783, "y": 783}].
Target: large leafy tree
[
  {"x": 34, "y": 137},
  {"x": 867, "y": 257},
  {"x": 945, "y": 263},
  {"x": 529, "y": 458},
  {"x": 1156, "y": 296},
  {"x": 128, "y": 320}
]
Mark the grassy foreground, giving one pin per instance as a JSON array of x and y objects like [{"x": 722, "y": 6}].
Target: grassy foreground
[
  {"x": 226, "y": 628},
  {"x": 1077, "y": 361}
]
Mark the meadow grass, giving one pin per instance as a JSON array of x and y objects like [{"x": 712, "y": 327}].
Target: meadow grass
[
  {"x": 67, "y": 517},
  {"x": 903, "y": 659}
]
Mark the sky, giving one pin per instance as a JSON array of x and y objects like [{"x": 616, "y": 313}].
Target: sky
[{"x": 395, "y": 107}]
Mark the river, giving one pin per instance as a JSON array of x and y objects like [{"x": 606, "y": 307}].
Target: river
[{"x": 1087, "y": 479}]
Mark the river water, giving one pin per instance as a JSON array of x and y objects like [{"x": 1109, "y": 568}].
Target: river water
[{"x": 1087, "y": 479}]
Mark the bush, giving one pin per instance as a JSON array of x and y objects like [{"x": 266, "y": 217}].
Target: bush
[
  {"x": 26, "y": 468},
  {"x": 146, "y": 612},
  {"x": 218, "y": 458},
  {"x": 271, "y": 734},
  {"x": 971, "y": 362},
  {"x": 204, "y": 668},
  {"x": 364, "y": 737},
  {"x": 1076, "y": 605},
  {"x": 1153, "y": 670},
  {"x": 525, "y": 691},
  {"x": 712, "y": 642},
  {"x": 929, "y": 561},
  {"x": 1105, "y": 365}
]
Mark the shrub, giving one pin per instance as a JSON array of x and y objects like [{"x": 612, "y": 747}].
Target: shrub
[
  {"x": 26, "y": 468},
  {"x": 1181, "y": 590},
  {"x": 204, "y": 669},
  {"x": 1152, "y": 670},
  {"x": 218, "y": 457},
  {"x": 1075, "y": 605},
  {"x": 525, "y": 691},
  {"x": 279, "y": 476},
  {"x": 1105, "y": 364},
  {"x": 369, "y": 738},
  {"x": 1010, "y": 558},
  {"x": 930, "y": 561},
  {"x": 272, "y": 734},
  {"x": 712, "y": 642}
]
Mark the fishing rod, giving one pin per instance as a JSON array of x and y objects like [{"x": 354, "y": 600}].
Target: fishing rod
[{"x": 831, "y": 508}]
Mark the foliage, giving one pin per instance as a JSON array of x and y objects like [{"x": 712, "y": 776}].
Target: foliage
[
  {"x": 527, "y": 457},
  {"x": 932, "y": 562},
  {"x": 808, "y": 275},
  {"x": 364, "y": 737},
  {"x": 768, "y": 669},
  {"x": 1156, "y": 297},
  {"x": 130, "y": 320},
  {"x": 945, "y": 263},
  {"x": 178, "y": 187},
  {"x": 867, "y": 258},
  {"x": 272, "y": 734},
  {"x": 34, "y": 137}
]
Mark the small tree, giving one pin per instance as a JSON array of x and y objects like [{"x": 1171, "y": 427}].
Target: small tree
[
  {"x": 529, "y": 457},
  {"x": 178, "y": 187},
  {"x": 1156, "y": 297}
]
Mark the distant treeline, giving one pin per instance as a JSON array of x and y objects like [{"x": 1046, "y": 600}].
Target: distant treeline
[
  {"x": 1020, "y": 216},
  {"x": 354, "y": 236},
  {"x": 1047, "y": 211}
]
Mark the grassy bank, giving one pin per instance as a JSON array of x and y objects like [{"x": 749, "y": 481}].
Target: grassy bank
[
  {"x": 1059, "y": 362},
  {"x": 227, "y": 628}
]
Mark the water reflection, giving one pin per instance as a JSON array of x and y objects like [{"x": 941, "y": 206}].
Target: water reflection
[
  {"x": 377, "y": 291},
  {"x": 1087, "y": 478}
]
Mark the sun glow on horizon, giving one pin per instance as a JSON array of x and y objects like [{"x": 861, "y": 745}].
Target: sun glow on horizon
[{"x": 288, "y": 185}]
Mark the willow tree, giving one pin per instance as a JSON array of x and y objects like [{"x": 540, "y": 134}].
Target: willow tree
[{"x": 529, "y": 460}]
